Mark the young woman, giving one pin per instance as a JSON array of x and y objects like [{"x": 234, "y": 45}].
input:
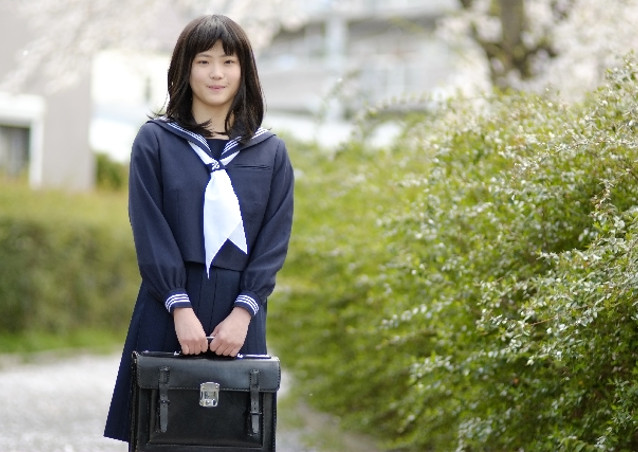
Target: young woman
[{"x": 210, "y": 204}]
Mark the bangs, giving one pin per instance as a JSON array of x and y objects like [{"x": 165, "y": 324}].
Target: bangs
[{"x": 209, "y": 32}]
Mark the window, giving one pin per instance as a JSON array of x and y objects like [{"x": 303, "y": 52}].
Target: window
[{"x": 14, "y": 150}]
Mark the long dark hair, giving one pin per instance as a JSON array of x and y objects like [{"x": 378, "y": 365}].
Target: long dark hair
[{"x": 247, "y": 110}]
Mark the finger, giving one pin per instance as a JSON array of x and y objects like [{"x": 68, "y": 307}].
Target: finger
[
  {"x": 219, "y": 348},
  {"x": 230, "y": 350},
  {"x": 216, "y": 346}
]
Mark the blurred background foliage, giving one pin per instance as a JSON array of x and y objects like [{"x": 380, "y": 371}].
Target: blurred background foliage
[
  {"x": 67, "y": 264},
  {"x": 471, "y": 287}
]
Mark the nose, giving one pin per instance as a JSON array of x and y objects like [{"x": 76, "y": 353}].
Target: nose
[{"x": 215, "y": 71}]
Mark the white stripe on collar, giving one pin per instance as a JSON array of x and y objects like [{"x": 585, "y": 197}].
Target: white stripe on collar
[{"x": 202, "y": 141}]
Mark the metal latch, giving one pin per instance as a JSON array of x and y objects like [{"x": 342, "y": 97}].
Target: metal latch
[{"x": 209, "y": 394}]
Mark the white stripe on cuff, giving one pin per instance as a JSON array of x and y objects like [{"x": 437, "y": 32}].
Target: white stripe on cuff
[
  {"x": 247, "y": 300},
  {"x": 176, "y": 298}
]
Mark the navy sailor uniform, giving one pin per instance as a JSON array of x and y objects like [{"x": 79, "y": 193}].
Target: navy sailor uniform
[{"x": 167, "y": 181}]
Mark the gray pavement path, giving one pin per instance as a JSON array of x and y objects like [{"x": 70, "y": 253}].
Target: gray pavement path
[{"x": 58, "y": 404}]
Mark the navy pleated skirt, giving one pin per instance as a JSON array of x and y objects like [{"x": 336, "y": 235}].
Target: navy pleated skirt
[{"x": 152, "y": 328}]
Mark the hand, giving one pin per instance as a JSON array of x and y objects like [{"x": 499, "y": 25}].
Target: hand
[
  {"x": 231, "y": 333},
  {"x": 189, "y": 330}
]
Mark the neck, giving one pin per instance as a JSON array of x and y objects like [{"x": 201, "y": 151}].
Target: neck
[
  {"x": 216, "y": 119},
  {"x": 217, "y": 134},
  {"x": 215, "y": 128}
]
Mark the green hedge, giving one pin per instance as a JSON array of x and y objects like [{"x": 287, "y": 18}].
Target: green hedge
[
  {"x": 67, "y": 263},
  {"x": 473, "y": 286}
]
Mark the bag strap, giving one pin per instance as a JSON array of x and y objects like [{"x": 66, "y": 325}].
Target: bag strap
[
  {"x": 255, "y": 412},
  {"x": 163, "y": 398}
]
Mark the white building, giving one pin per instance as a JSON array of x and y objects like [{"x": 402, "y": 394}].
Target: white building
[
  {"x": 367, "y": 54},
  {"x": 43, "y": 136},
  {"x": 316, "y": 78},
  {"x": 349, "y": 56}
]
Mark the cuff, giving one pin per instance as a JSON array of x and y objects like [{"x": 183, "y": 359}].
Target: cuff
[
  {"x": 248, "y": 303},
  {"x": 178, "y": 299}
]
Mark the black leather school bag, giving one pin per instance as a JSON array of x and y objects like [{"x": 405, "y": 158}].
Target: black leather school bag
[{"x": 203, "y": 403}]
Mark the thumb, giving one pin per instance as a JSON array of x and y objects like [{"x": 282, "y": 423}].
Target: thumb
[{"x": 215, "y": 331}]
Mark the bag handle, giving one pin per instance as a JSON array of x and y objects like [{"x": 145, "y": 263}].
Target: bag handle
[{"x": 208, "y": 354}]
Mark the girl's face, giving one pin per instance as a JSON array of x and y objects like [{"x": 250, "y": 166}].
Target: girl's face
[{"x": 214, "y": 79}]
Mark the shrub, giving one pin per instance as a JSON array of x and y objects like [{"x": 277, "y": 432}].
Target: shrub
[
  {"x": 473, "y": 286},
  {"x": 110, "y": 175},
  {"x": 66, "y": 262}
]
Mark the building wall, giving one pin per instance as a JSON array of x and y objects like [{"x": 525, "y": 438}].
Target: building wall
[
  {"x": 344, "y": 60},
  {"x": 59, "y": 152}
]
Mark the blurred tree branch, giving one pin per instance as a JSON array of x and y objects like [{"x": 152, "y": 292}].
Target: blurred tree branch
[
  {"x": 533, "y": 44},
  {"x": 68, "y": 33},
  {"x": 508, "y": 52}
]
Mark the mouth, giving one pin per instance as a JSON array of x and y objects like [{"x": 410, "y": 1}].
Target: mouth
[{"x": 216, "y": 87}]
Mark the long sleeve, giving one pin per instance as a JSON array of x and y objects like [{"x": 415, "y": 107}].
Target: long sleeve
[
  {"x": 159, "y": 257},
  {"x": 271, "y": 245}
]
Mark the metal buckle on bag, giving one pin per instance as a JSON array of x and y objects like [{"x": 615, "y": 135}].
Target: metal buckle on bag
[{"x": 209, "y": 394}]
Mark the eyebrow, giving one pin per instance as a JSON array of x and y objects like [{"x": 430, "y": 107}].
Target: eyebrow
[{"x": 207, "y": 54}]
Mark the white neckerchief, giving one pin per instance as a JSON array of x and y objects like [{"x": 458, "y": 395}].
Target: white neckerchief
[{"x": 222, "y": 215}]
